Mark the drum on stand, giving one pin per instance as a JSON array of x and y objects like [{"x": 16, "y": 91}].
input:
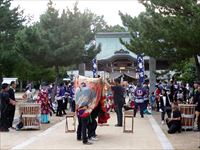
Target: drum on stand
[
  {"x": 30, "y": 115},
  {"x": 187, "y": 113}
]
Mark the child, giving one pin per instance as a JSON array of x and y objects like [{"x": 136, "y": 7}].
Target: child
[{"x": 148, "y": 110}]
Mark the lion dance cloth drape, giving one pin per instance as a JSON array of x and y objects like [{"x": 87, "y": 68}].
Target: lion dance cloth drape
[{"x": 88, "y": 94}]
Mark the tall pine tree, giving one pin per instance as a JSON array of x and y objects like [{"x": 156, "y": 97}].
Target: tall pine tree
[
  {"x": 57, "y": 41},
  {"x": 168, "y": 29},
  {"x": 10, "y": 23}
]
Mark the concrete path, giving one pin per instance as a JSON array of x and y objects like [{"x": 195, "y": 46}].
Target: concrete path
[{"x": 147, "y": 135}]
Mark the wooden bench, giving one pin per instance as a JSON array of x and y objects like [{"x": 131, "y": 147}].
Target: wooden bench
[
  {"x": 73, "y": 116},
  {"x": 128, "y": 114}
]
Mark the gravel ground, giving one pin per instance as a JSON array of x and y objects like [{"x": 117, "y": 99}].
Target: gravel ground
[{"x": 186, "y": 140}]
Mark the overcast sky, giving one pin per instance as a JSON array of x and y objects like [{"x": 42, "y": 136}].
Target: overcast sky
[{"x": 108, "y": 8}]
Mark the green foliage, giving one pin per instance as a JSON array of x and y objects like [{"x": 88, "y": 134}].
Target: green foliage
[
  {"x": 59, "y": 40},
  {"x": 10, "y": 23},
  {"x": 186, "y": 70},
  {"x": 115, "y": 28},
  {"x": 168, "y": 29},
  {"x": 29, "y": 72}
]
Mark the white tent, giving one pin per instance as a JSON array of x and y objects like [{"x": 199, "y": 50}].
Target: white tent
[
  {"x": 9, "y": 80},
  {"x": 66, "y": 79}
]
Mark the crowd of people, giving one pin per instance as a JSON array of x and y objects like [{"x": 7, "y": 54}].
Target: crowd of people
[
  {"x": 165, "y": 99},
  {"x": 64, "y": 95}
]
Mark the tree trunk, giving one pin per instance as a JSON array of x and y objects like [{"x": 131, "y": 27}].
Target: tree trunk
[
  {"x": 20, "y": 85},
  {"x": 1, "y": 79},
  {"x": 152, "y": 76},
  {"x": 55, "y": 84},
  {"x": 1, "y": 75},
  {"x": 197, "y": 68},
  {"x": 82, "y": 69}
]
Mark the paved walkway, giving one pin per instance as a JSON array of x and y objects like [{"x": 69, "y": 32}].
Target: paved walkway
[
  {"x": 147, "y": 135},
  {"x": 178, "y": 140}
]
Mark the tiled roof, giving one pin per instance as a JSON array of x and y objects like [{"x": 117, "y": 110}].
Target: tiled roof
[{"x": 110, "y": 43}]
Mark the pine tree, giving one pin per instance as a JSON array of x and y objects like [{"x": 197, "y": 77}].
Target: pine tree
[
  {"x": 57, "y": 41},
  {"x": 10, "y": 23},
  {"x": 168, "y": 29}
]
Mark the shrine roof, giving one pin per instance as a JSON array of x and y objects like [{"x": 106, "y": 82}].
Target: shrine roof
[{"x": 110, "y": 44}]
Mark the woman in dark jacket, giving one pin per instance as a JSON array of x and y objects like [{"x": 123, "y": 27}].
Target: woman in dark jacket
[
  {"x": 197, "y": 109},
  {"x": 4, "y": 111},
  {"x": 165, "y": 105}
]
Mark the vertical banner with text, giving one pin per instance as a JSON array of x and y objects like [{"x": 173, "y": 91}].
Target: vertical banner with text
[
  {"x": 94, "y": 66},
  {"x": 140, "y": 68}
]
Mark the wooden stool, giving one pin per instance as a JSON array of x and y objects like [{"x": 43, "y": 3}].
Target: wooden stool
[
  {"x": 128, "y": 114},
  {"x": 70, "y": 115}
]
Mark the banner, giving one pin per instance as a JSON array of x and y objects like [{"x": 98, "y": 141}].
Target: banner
[
  {"x": 87, "y": 94},
  {"x": 94, "y": 65},
  {"x": 140, "y": 68}
]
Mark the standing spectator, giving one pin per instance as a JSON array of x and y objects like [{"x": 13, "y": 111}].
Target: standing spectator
[
  {"x": 197, "y": 109},
  {"x": 152, "y": 100},
  {"x": 171, "y": 95},
  {"x": 174, "y": 123},
  {"x": 71, "y": 98},
  {"x": 185, "y": 93},
  {"x": 28, "y": 95},
  {"x": 165, "y": 105},
  {"x": 194, "y": 90},
  {"x": 29, "y": 86},
  {"x": 139, "y": 100},
  {"x": 45, "y": 106},
  {"x": 176, "y": 88},
  {"x": 49, "y": 90},
  {"x": 119, "y": 100},
  {"x": 157, "y": 92},
  {"x": 4, "y": 102},
  {"x": 60, "y": 97},
  {"x": 66, "y": 96},
  {"x": 11, "y": 107},
  {"x": 146, "y": 96},
  {"x": 63, "y": 95},
  {"x": 180, "y": 96}
]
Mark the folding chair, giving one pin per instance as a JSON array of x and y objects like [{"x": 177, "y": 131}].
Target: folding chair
[
  {"x": 128, "y": 114},
  {"x": 73, "y": 116}
]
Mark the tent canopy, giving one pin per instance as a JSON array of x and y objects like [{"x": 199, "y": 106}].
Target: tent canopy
[{"x": 9, "y": 80}]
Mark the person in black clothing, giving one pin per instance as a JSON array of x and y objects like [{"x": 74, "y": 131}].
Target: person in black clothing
[
  {"x": 171, "y": 95},
  {"x": 157, "y": 99},
  {"x": 165, "y": 105},
  {"x": 4, "y": 102},
  {"x": 60, "y": 97},
  {"x": 119, "y": 100},
  {"x": 183, "y": 87},
  {"x": 174, "y": 123},
  {"x": 82, "y": 130},
  {"x": 66, "y": 96},
  {"x": 82, "y": 121},
  {"x": 197, "y": 109},
  {"x": 92, "y": 126},
  {"x": 11, "y": 107}
]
